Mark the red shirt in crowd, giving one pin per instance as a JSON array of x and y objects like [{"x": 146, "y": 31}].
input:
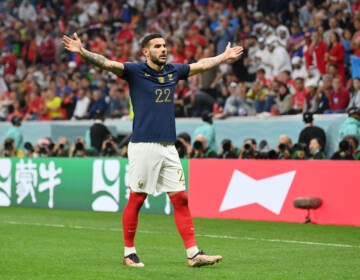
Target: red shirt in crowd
[{"x": 339, "y": 100}]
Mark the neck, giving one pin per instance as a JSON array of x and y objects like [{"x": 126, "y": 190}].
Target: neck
[{"x": 154, "y": 66}]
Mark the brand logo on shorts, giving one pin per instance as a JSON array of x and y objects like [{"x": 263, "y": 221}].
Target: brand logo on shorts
[{"x": 140, "y": 184}]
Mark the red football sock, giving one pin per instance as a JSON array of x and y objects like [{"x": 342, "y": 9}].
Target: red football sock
[
  {"x": 130, "y": 217},
  {"x": 183, "y": 219}
]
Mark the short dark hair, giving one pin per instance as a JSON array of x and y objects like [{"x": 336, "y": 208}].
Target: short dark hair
[{"x": 147, "y": 38}]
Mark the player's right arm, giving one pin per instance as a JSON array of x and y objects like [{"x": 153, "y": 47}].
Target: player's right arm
[{"x": 75, "y": 46}]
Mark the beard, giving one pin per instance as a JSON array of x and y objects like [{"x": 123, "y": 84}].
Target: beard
[{"x": 157, "y": 61}]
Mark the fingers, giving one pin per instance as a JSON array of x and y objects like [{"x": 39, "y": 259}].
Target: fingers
[{"x": 76, "y": 36}]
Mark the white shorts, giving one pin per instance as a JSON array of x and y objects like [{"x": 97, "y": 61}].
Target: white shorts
[{"x": 155, "y": 168}]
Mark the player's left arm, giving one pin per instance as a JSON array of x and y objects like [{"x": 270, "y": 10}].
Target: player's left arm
[{"x": 230, "y": 55}]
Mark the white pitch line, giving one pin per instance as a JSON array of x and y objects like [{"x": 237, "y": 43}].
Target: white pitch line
[{"x": 298, "y": 242}]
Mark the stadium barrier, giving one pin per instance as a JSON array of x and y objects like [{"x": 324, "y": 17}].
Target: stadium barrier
[{"x": 225, "y": 189}]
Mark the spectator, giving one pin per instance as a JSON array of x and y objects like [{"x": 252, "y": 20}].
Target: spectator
[
  {"x": 355, "y": 94},
  {"x": 97, "y": 104},
  {"x": 257, "y": 96},
  {"x": 207, "y": 129},
  {"x": 282, "y": 104},
  {"x": 351, "y": 125},
  {"x": 299, "y": 97},
  {"x": 181, "y": 97},
  {"x": 98, "y": 132},
  {"x": 81, "y": 105},
  {"x": 316, "y": 149},
  {"x": 235, "y": 103},
  {"x": 311, "y": 131},
  {"x": 118, "y": 104},
  {"x": 15, "y": 133},
  {"x": 279, "y": 57},
  {"x": 336, "y": 54},
  {"x": 315, "y": 56},
  {"x": 224, "y": 33},
  {"x": 298, "y": 68},
  {"x": 53, "y": 104},
  {"x": 8, "y": 149},
  {"x": 338, "y": 98}
]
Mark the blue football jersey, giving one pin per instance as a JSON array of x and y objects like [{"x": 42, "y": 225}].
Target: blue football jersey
[{"x": 152, "y": 96}]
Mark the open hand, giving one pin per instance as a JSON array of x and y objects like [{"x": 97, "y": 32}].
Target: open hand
[
  {"x": 231, "y": 54},
  {"x": 72, "y": 45}
]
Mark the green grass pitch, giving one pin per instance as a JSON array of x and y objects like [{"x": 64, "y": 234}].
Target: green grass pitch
[{"x": 63, "y": 244}]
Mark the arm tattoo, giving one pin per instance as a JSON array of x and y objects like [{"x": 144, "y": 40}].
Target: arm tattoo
[
  {"x": 93, "y": 58},
  {"x": 210, "y": 62}
]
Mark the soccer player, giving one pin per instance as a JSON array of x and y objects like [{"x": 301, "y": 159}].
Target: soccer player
[{"x": 154, "y": 164}]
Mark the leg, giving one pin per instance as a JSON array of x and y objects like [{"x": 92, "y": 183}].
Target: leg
[
  {"x": 130, "y": 222},
  {"x": 185, "y": 226}
]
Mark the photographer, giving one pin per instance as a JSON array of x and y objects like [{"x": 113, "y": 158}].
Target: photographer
[
  {"x": 249, "y": 149},
  {"x": 98, "y": 132},
  {"x": 29, "y": 150},
  {"x": 183, "y": 145},
  {"x": 8, "y": 149},
  {"x": 300, "y": 151},
  {"x": 344, "y": 152},
  {"x": 228, "y": 150},
  {"x": 78, "y": 148},
  {"x": 61, "y": 148},
  {"x": 109, "y": 147},
  {"x": 200, "y": 149}
]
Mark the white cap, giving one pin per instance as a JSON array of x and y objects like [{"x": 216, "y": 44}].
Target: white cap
[{"x": 296, "y": 60}]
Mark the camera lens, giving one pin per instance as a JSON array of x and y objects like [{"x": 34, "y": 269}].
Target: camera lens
[{"x": 247, "y": 146}]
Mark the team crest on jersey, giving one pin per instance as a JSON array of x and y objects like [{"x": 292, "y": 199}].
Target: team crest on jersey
[
  {"x": 161, "y": 80},
  {"x": 170, "y": 77}
]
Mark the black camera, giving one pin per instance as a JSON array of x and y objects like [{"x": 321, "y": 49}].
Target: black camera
[
  {"x": 248, "y": 147},
  {"x": 180, "y": 147},
  {"x": 61, "y": 146},
  {"x": 282, "y": 147},
  {"x": 79, "y": 146},
  {"x": 198, "y": 145},
  {"x": 8, "y": 145},
  {"x": 226, "y": 145},
  {"x": 28, "y": 146},
  {"x": 344, "y": 146}
]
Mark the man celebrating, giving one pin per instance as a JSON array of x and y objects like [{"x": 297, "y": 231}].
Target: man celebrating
[{"x": 154, "y": 164}]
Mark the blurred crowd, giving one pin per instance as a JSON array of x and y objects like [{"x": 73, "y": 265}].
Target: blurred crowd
[{"x": 299, "y": 56}]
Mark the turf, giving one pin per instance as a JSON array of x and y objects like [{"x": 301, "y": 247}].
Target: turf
[{"x": 62, "y": 244}]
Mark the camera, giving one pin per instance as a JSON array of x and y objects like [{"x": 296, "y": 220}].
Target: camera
[
  {"x": 79, "y": 146},
  {"x": 180, "y": 147},
  {"x": 28, "y": 146},
  {"x": 8, "y": 145},
  {"x": 226, "y": 145},
  {"x": 61, "y": 146},
  {"x": 283, "y": 147},
  {"x": 198, "y": 145},
  {"x": 248, "y": 147},
  {"x": 344, "y": 146}
]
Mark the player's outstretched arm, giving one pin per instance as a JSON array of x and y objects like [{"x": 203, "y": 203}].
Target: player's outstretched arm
[
  {"x": 230, "y": 55},
  {"x": 75, "y": 46}
]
